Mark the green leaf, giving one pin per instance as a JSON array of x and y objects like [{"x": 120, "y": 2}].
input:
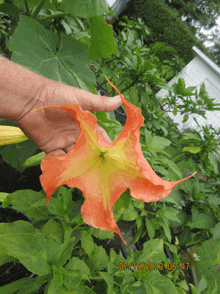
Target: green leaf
[
  {"x": 192, "y": 149},
  {"x": 32, "y": 203},
  {"x": 182, "y": 219},
  {"x": 33, "y": 286},
  {"x": 27, "y": 244},
  {"x": 64, "y": 250},
  {"x": 216, "y": 233},
  {"x": 99, "y": 259},
  {"x": 213, "y": 162},
  {"x": 64, "y": 196},
  {"x": 101, "y": 234},
  {"x": 202, "y": 284},
  {"x": 9, "y": 9},
  {"x": 34, "y": 47},
  {"x": 52, "y": 229},
  {"x": 181, "y": 86},
  {"x": 185, "y": 118},
  {"x": 160, "y": 142},
  {"x": 150, "y": 228},
  {"x": 138, "y": 233},
  {"x": 85, "y": 9},
  {"x": 77, "y": 270},
  {"x": 3, "y": 196},
  {"x": 162, "y": 283},
  {"x": 4, "y": 257},
  {"x": 175, "y": 111},
  {"x": 193, "y": 289},
  {"x": 130, "y": 214},
  {"x": 204, "y": 221},
  {"x": 124, "y": 201},
  {"x": 80, "y": 83},
  {"x": 87, "y": 243},
  {"x": 188, "y": 136},
  {"x": 164, "y": 130},
  {"x": 166, "y": 230},
  {"x": 208, "y": 252},
  {"x": 102, "y": 39},
  {"x": 152, "y": 252},
  {"x": 132, "y": 96},
  {"x": 14, "y": 287},
  {"x": 170, "y": 165},
  {"x": 171, "y": 213},
  {"x": 109, "y": 281},
  {"x": 148, "y": 136}
]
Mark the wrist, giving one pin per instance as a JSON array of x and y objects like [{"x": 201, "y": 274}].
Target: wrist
[{"x": 19, "y": 89}]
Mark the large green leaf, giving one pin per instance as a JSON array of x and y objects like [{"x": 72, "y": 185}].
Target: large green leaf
[
  {"x": 85, "y": 8},
  {"x": 27, "y": 244},
  {"x": 102, "y": 39},
  {"x": 34, "y": 47}
]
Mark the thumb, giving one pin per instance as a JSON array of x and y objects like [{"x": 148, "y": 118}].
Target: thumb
[{"x": 99, "y": 103}]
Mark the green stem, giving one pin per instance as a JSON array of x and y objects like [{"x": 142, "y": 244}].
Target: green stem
[
  {"x": 184, "y": 157},
  {"x": 38, "y": 8},
  {"x": 76, "y": 227},
  {"x": 27, "y": 8},
  {"x": 57, "y": 15}
]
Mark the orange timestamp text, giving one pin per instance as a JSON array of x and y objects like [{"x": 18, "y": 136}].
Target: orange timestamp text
[{"x": 152, "y": 266}]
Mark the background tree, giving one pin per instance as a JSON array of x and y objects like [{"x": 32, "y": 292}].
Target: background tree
[{"x": 197, "y": 13}]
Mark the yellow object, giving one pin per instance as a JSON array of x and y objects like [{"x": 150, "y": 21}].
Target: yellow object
[{"x": 11, "y": 135}]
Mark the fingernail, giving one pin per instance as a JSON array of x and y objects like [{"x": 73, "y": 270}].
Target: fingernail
[{"x": 115, "y": 99}]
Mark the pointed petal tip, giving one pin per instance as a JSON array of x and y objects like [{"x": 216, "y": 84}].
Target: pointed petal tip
[
  {"x": 38, "y": 109},
  {"x": 124, "y": 242}
]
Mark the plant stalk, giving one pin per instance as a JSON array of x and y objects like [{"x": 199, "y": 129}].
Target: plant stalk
[
  {"x": 57, "y": 15},
  {"x": 38, "y": 8},
  {"x": 27, "y": 8}
]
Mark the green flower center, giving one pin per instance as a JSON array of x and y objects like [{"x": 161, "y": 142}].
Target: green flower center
[{"x": 102, "y": 156}]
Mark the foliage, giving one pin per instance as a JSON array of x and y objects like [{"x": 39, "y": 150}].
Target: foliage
[
  {"x": 204, "y": 12},
  {"x": 215, "y": 49},
  {"x": 166, "y": 27},
  {"x": 65, "y": 253}
]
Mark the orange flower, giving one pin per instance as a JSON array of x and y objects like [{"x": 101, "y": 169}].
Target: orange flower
[{"x": 103, "y": 171}]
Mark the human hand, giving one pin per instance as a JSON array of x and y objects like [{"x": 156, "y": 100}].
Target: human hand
[{"x": 53, "y": 130}]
